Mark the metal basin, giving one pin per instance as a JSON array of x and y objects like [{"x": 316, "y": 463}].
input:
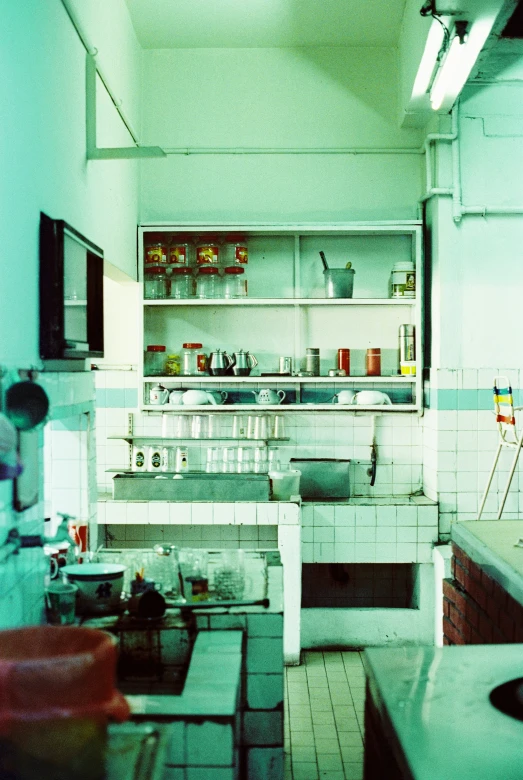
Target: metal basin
[{"x": 191, "y": 487}]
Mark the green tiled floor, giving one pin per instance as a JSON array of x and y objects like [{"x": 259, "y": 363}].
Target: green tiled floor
[{"x": 324, "y": 700}]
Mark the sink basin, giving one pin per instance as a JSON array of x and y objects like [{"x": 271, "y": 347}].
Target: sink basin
[
  {"x": 191, "y": 487},
  {"x": 508, "y": 698}
]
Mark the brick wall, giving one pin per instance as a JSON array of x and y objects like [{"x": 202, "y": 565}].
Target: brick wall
[{"x": 476, "y": 609}]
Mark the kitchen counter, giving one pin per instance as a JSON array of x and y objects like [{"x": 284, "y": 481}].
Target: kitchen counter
[
  {"x": 492, "y": 545},
  {"x": 435, "y": 712}
]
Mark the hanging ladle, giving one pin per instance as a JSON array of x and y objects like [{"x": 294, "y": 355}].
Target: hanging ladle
[{"x": 324, "y": 260}]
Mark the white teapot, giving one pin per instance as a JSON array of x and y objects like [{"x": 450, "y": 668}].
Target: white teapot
[
  {"x": 268, "y": 397},
  {"x": 158, "y": 395},
  {"x": 371, "y": 398},
  {"x": 175, "y": 397}
]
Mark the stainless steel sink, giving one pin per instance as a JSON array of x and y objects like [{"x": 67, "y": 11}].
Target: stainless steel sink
[{"x": 191, "y": 487}]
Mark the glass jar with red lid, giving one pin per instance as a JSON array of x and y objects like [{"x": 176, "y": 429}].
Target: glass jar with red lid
[
  {"x": 182, "y": 283},
  {"x": 234, "y": 282},
  {"x": 208, "y": 282},
  {"x": 180, "y": 251},
  {"x": 194, "y": 359},
  {"x": 155, "y": 249},
  {"x": 235, "y": 251},
  {"x": 207, "y": 251},
  {"x": 154, "y": 360},
  {"x": 156, "y": 283}
]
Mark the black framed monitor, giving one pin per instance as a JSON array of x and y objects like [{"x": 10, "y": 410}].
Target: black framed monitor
[{"x": 71, "y": 293}]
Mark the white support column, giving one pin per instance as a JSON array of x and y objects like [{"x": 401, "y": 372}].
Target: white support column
[{"x": 289, "y": 545}]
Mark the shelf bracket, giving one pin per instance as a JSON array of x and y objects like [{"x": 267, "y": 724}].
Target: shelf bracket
[{"x": 93, "y": 152}]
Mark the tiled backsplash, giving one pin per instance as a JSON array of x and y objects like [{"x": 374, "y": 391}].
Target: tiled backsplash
[
  {"x": 312, "y": 435},
  {"x": 71, "y": 398},
  {"x": 459, "y": 442}
]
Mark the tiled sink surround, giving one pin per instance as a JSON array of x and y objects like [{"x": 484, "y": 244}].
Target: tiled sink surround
[
  {"x": 459, "y": 441},
  {"x": 202, "y": 524},
  {"x": 71, "y": 395}
]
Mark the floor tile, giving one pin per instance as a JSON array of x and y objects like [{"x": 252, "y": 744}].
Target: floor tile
[
  {"x": 330, "y": 762},
  {"x": 327, "y": 745},
  {"x": 305, "y": 771}
]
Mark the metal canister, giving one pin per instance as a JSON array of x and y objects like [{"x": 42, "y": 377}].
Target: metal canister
[
  {"x": 312, "y": 360},
  {"x": 407, "y": 343}
]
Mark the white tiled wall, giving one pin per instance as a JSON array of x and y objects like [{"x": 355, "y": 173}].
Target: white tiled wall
[
  {"x": 22, "y": 575},
  {"x": 459, "y": 444},
  {"x": 338, "y": 435}
]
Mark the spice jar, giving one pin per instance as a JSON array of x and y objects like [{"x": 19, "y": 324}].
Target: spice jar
[
  {"x": 312, "y": 361},
  {"x": 208, "y": 283},
  {"x": 182, "y": 283},
  {"x": 155, "y": 283},
  {"x": 373, "y": 362},
  {"x": 207, "y": 253},
  {"x": 155, "y": 249},
  {"x": 194, "y": 360},
  {"x": 234, "y": 282},
  {"x": 154, "y": 360}
]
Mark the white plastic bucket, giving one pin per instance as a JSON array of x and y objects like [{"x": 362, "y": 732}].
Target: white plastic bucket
[{"x": 285, "y": 484}]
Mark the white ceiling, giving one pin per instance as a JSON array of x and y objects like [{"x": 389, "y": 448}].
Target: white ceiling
[{"x": 173, "y": 24}]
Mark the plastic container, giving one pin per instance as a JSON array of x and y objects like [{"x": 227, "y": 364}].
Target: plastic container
[
  {"x": 208, "y": 283},
  {"x": 339, "y": 282},
  {"x": 156, "y": 284},
  {"x": 207, "y": 253},
  {"x": 235, "y": 251},
  {"x": 285, "y": 484},
  {"x": 194, "y": 360},
  {"x": 155, "y": 249},
  {"x": 154, "y": 360},
  {"x": 58, "y": 694},
  {"x": 234, "y": 282},
  {"x": 403, "y": 280},
  {"x": 182, "y": 283}
]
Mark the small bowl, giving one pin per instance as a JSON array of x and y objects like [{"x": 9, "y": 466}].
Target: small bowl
[{"x": 99, "y": 586}]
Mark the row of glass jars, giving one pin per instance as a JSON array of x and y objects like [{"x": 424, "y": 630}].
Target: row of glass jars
[
  {"x": 208, "y": 283},
  {"x": 181, "y": 252}
]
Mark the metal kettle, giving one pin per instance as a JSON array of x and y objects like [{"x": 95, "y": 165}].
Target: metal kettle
[
  {"x": 219, "y": 362},
  {"x": 244, "y": 362}
]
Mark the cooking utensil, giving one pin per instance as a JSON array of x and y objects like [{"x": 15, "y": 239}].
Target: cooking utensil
[
  {"x": 324, "y": 261},
  {"x": 339, "y": 282},
  {"x": 26, "y": 404}
]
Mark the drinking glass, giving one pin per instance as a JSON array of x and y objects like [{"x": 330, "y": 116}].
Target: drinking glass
[
  {"x": 251, "y": 426},
  {"x": 181, "y": 429},
  {"x": 228, "y": 460},
  {"x": 214, "y": 426},
  {"x": 239, "y": 427},
  {"x": 261, "y": 427},
  {"x": 244, "y": 460},
  {"x": 279, "y": 426},
  {"x": 274, "y": 459},
  {"x": 199, "y": 426},
  {"x": 260, "y": 460},
  {"x": 212, "y": 460}
]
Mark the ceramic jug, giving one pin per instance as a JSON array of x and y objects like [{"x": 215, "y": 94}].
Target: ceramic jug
[
  {"x": 158, "y": 395},
  {"x": 268, "y": 396}
]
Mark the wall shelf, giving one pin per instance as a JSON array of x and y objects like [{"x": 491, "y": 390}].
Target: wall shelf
[
  {"x": 281, "y": 379},
  {"x": 239, "y": 408},
  {"x": 167, "y": 439},
  {"x": 280, "y": 302}
]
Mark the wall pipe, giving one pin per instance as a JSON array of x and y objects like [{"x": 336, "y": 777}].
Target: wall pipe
[
  {"x": 93, "y": 51},
  {"x": 280, "y": 150}
]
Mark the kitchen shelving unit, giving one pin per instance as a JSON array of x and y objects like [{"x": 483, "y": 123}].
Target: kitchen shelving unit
[{"x": 289, "y": 313}]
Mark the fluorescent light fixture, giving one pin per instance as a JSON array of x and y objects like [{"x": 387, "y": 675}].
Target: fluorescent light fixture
[
  {"x": 459, "y": 61},
  {"x": 429, "y": 59}
]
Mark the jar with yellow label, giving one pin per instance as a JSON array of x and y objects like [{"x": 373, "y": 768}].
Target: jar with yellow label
[
  {"x": 235, "y": 251},
  {"x": 155, "y": 249},
  {"x": 172, "y": 365},
  {"x": 207, "y": 252}
]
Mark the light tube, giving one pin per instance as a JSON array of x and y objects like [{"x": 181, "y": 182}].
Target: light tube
[
  {"x": 429, "y": 59},
  {"x": 453, "y": 73}
]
